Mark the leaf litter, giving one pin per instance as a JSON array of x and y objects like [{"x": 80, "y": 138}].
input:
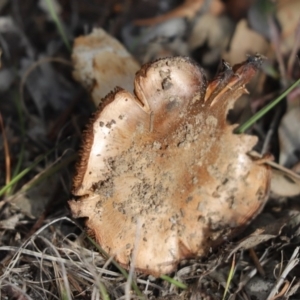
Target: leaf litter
[{"x": 47, "y": 256}]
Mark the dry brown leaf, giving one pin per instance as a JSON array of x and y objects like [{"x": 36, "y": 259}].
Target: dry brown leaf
[
  {"x": 166, "y": 39},
  {"x": 285, "y": 184},
  {"x": 11, "y": 222},
  {"x": 245, "y": 41},
  {"x": 252, "y": 241},
  {"x": 188, "y": 9},
  {"x": 101, "y": 63},
  {"x": 289, "y": 136},
  {"x": 288, "y": 14},
  {"x": 214, "y": 32},
  {"x": 266, "y": 229},
  {"x": 34, "y": 201},
  {"x": 161, "y": 171},
  {"x": 238, "y": 9}
]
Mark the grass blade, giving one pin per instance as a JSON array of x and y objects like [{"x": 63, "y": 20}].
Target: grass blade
[
  {"x": 229, "y": 279},
  {"x": 265, "y": 109},
  {"x": 123, "y": 271},
  {"x": 58, "y": 23},
  {"x": 174, "y": 282}
]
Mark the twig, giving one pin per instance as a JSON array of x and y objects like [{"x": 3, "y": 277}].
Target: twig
[
  {"x": 133, "y": 259},
  {"x": 294, "y": 260},
  {"x": 256, "y": 262},
  {"x": 6, "y": 151}
]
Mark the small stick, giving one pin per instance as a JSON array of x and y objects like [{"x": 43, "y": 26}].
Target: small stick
[
  {"x": 294, "y": 260},
  {"x": 256, "y": 262}
]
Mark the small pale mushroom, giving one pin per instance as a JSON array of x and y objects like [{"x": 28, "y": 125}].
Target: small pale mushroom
[
  {"x": 161, "y": 173},
  {"x": 101, "y": 63}
]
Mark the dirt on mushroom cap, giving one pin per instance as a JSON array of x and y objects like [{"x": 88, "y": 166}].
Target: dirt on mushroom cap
[{"x": 162, "y": 171}]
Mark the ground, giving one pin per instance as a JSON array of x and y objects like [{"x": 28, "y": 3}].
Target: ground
[{"x": 44, "y": 252}]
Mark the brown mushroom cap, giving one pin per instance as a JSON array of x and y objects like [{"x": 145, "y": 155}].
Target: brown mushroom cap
[{"x": 161, "y": 171}]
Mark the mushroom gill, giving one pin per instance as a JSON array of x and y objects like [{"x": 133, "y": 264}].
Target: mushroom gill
[{"x": 161, "y": 170}]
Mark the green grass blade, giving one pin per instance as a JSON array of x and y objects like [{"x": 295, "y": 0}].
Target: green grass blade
[
  {"x": 61, "y": 163},
  {"x": 17, "y": 169},
  {"x": 103, "y": 291},
  {"x": 19, "y": 176},
  {"x": 229, "y": 279},
  {"x": 265, "y": 109},
  {"x": 64, "y": 295},
  {"x": 174, "y": 282},
  {"x": 58, "y": 23}
]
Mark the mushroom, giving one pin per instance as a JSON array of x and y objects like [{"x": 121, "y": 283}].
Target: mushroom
[
  {"x": 101, "y": 62},
  {"x": 161, "y": 173}
]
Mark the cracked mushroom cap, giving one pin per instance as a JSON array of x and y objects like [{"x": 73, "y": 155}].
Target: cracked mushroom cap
[{"x": 161, "y": 171}]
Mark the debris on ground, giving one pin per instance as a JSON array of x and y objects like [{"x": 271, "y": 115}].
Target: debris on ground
[{"x": 44, "y": 117}]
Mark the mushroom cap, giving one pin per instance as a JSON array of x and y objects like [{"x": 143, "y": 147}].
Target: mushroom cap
[{"x": 161, "y": 172}]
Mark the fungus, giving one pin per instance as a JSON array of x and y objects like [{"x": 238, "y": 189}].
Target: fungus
[
  {"x": 161, "y": 171},
  {"x": 101, "y": 62}
]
